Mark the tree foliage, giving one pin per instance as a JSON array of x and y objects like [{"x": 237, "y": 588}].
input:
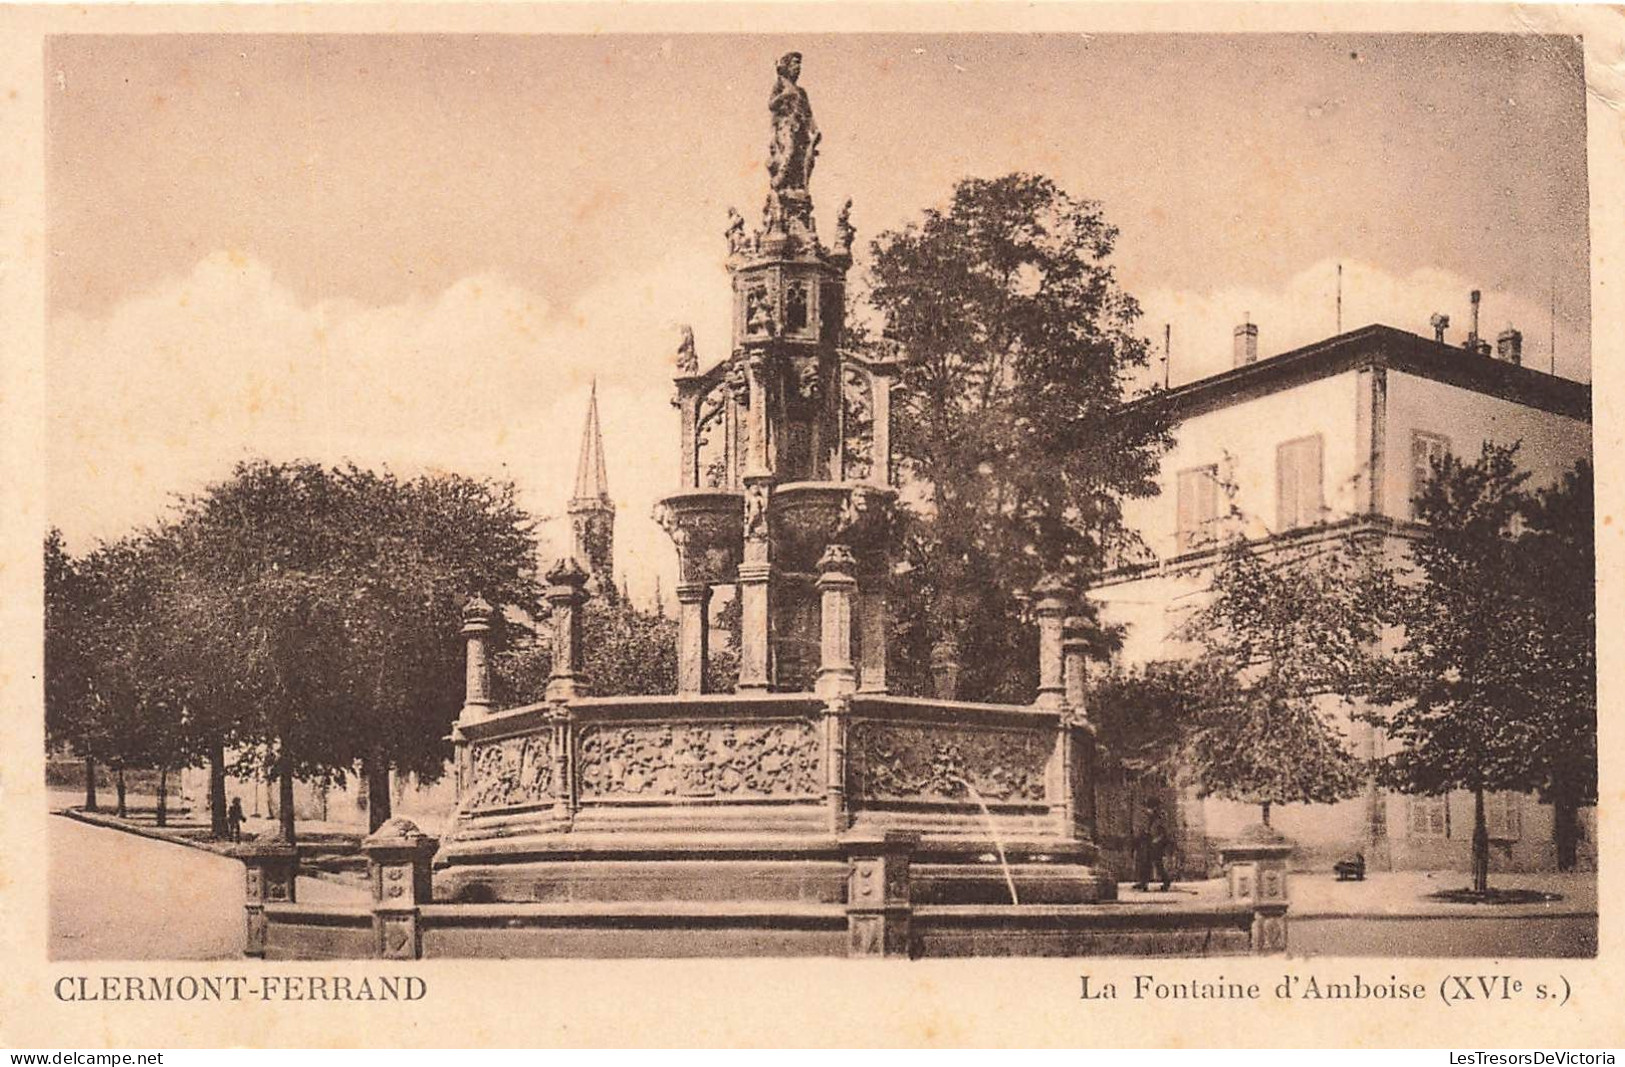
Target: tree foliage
[
  {"x": 1290, "y": 639},
  {"x": 1496, "y": 688},
  {"x": 1011, "y": 432}
]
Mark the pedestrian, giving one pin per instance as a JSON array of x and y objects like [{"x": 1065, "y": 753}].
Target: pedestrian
[
  {"x": 1150, "y": 851},
  {"x": 1161, "y": 842},
  {"x": 234, "y": 818}
]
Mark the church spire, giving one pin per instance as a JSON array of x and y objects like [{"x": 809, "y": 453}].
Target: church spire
[
  {"x": 592, "y": 483},
  {"x": 592, "y": 515}
]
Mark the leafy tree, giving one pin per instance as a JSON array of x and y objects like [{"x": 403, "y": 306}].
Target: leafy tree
[
  {"x": 1561, "y": 551},
  {"x": 1496, "y": 686},
  {"x": 68, "y": 666},
  {"x": 1011, "y": 429},
  {"x": 1290, "y": 635},
  {"x": 335, "y": 596}
]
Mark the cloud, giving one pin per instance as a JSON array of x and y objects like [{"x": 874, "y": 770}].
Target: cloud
[
  {"x": 172, "y": 386},
  {"x": 1304, "y": 310}
]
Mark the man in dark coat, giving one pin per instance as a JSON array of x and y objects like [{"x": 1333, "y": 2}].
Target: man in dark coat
[{"x": 1151, "y": 846}]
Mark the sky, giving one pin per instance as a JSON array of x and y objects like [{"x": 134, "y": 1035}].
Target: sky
[{"x": 420, "y": 251}]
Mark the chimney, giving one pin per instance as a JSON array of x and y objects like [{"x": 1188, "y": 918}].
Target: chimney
[
  {"x": 1246, "y": 343},
  {"x": 1509, "y": 346},
  {"x": 1474, "y": 343}
]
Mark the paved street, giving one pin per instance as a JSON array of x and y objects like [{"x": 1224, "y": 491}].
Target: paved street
[{"x": 118, "y": 896}]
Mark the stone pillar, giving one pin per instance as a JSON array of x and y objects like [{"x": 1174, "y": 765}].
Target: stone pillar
[
  {"x": 837, "y": 711},
  {"x": 1051, "y": 610},
  {"x": 880, "y": 383},
  {"x": 1079, "y": 754},
  {"x": 688, "y": 410},
  {"x": 566, "y": 594},
  {"x": 873, "y": 625},
  {"x": 693, "y": 636},
  {"x": 398, "y": 859},
  {"x": 477, "y": 619},
  {"x": 878, "y": 901},
  {"x": 1255, "y": 873},
  {"x": 1074, "y": 666},
  {"x": 755, "y": 573},
  {"x": 272, "y": 869},
  {"x": 836, "y": 586}
]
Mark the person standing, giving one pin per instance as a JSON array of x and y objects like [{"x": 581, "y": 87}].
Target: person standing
[{"x": 234, "y": 818}]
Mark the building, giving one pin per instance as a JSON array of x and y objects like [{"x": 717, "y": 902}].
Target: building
[{"x": 1311, "y": 443}]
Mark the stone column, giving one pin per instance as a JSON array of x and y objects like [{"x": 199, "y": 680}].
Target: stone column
[
  {"x": 1255, "y": 873},
  {"x": 1079, "y": 759},
  {"x": 398, "y": 859},
  {"x": 272, "y": 868},
  {"x": 878, "y": 898},
  {"x": 755, "y": 574},
  {"x": 477, "y": 619},
  {"x": 688, "y": 409},
  {"x": 566, "y": 594},
  {"x": 836, "y": 675},
  {"x": 693, "y": 636},
  {"x": 837, "y": 712},
  {"x": 1074, "y": 666},
  {"x": 880, "y": 383},
  {"x": 1051, "y": 610}
]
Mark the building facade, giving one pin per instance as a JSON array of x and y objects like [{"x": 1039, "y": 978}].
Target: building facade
[{"x": 1312, "y": 443}]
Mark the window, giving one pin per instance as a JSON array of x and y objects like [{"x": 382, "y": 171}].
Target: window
[
  {"x": 1198, "y": 505},
  {"x": 1298, "y": 483},
  {"x": 1426, "y": 450},
  {"x": 1503, "y": 814},
  {"x": 1430, "y": 816}
]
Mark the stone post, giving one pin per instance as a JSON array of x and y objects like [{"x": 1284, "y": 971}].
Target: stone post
[
  {"x": 755, "y": 572},
  {"x": 1051, "y": 610},
  {"x": 1080, "y": 738},
  {"x": 837, "y": 712},
  {"x": 398, "y": 859},
  {"x": 477, "y": 619},
  {"x": 693, "y": 636},
  {"x": 272, "y": 869},
  {"x": 836, "y": 675},
  {"x": 878, "y": 899},
  {"x": 566, "y": 594},
  {"x": 880, "y": 386},
  {"x": 1255, "y": 873}
]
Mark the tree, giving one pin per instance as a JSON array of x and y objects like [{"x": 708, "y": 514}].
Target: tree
[
  {"x": 335, "y": 597},
  {"x": 1561, "y": 551},
  {"x": 68, "y": 667},
  {"x": 1496, "y": 688},
  {"x": 1012, "y": 427},
  {"x": 1290, "y": 636}
]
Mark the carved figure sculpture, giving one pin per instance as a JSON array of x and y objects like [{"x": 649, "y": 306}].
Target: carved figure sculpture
[
  {"x": 844, "y": 231},
  {"x": 688, "y": 360},
  {"x": 736, "y": 233},
  {"x": 795, "y": 134}
]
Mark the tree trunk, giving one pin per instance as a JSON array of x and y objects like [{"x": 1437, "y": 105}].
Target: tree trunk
[
  {"x": 1265, "y": 809},
  {"x": 90, "y": 783},
  {"x": 163, "y": 796},
  {"x": 218, "y": 829},
  {"x": 285, "y": 797},
  {"x": 118, "y": 781},
  {"x": 1566, "y": 832},
  {"x": 1481, "y": 845},
  {"x": 376, "y": 770}
]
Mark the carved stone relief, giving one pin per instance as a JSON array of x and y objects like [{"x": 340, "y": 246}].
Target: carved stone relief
[
  {"x": 510, "y": 773},
  {"x": 736, "y": 760},
  {"x": 930, "y": 761}
]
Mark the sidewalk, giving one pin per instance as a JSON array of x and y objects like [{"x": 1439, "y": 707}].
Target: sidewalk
[
  {"x": 1399, "y": 894},
  {"x": 330, "y": 852}
]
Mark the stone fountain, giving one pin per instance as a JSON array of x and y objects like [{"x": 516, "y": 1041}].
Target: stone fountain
[{"x": 810, "y": 811}]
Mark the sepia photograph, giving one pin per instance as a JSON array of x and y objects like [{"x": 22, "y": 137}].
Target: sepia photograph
[{"x": 774, "y": 493}]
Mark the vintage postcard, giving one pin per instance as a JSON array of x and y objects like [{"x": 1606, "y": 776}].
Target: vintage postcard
[{"x": 834, "y": 524}]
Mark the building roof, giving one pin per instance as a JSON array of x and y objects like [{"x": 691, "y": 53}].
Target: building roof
[
  {"x": 592, "y": 480},
  {"x": 1382, "y": 346}
]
